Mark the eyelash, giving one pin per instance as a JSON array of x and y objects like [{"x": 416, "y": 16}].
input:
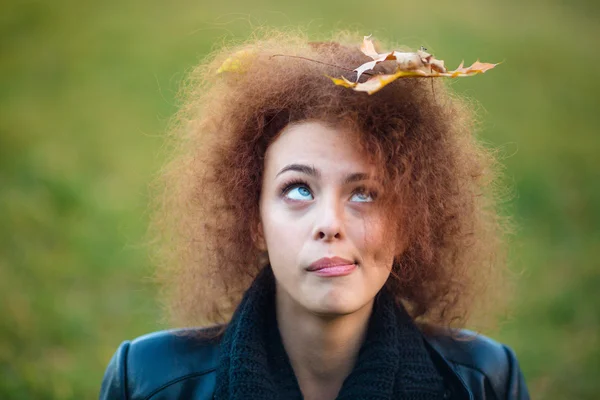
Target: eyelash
[{"x": 291, "y": 184}]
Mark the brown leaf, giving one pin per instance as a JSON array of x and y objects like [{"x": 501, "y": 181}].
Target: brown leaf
[{"x": 419, "y": 64}]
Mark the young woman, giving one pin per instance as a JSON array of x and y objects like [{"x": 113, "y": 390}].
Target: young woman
[{"x": 335, "y": 241}]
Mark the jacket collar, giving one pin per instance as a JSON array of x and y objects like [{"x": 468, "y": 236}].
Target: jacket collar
[{"x": 456, "y": 386}]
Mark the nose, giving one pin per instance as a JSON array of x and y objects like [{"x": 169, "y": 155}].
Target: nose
[{"x": 329, "y": 221}]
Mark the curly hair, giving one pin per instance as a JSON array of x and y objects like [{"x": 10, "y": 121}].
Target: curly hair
[{"x": 417, "y": 132}]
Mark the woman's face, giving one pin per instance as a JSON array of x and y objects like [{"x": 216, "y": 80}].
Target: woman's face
[{"x": 328, "y": 240}]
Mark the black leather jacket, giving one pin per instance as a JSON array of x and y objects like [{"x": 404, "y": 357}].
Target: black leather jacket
[{"x": 170, "y": 365}]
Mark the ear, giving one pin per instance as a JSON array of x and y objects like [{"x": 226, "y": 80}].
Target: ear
[{"x": 258, "y": 236}]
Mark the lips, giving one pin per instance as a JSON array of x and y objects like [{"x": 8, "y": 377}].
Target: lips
[
  {"x": 327, "y": 262},
  {"x": 335, "y": 266}
]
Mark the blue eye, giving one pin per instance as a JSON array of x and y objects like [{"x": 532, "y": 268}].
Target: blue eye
[
  {"x": 299, "y": 193},
  {"x": 362, "y": 197}
]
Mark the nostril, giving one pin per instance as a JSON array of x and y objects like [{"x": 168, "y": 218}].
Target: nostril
[{"x": 321, "y": 235}]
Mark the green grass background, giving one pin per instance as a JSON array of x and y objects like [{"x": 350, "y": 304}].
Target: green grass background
[{"x": 87, "y": 89}]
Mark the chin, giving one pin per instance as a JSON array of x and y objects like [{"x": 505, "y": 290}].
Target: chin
[{"x": 335, "y": 303}]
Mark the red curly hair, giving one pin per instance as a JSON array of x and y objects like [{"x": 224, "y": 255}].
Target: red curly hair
[{"x": 418, "y": 134}]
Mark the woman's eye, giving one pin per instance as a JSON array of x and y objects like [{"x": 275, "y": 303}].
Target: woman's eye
[
  {"x": 362, "y": 197},
  {"x": 299, "y": 193}
]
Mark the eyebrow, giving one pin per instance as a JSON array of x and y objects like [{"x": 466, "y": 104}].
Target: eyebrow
[
  {"x": 357, "y": 177},
  {"x": 305, "y": 169},
  {"x": 312, "y": 171}
]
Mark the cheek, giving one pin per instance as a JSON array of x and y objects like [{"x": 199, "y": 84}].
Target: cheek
[
  {"x": 282, "y": 237},
  {"x": 374, "y": 237}
]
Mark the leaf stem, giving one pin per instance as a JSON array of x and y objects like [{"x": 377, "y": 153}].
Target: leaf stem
[{"x": 320, "y": 62}]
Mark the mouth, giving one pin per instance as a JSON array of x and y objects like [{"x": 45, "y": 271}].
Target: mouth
[{"x": 330, "y": 267}]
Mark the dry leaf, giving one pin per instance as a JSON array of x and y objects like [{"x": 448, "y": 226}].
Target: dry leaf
[
  {"x": 419, "y": 64},
  {"x": 368, "y": 48}
]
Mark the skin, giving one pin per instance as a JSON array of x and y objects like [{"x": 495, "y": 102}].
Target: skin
[{"x": 322, "y": 320}]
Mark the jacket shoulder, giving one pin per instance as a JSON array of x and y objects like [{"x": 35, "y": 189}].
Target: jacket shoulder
[
  {"x": 165, "y": 364},
  {"x": 489, "y": 369}
]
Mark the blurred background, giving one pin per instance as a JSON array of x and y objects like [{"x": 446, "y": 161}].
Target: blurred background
[{"x": 86, "y": 93}]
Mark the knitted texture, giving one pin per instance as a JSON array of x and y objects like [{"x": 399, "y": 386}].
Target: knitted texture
[{"x": 393, "y": 362}]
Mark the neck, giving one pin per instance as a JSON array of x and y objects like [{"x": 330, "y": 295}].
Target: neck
[{"x": 322, "y": 349}]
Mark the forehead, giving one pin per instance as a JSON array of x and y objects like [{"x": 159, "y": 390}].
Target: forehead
[{"x": 317, "y": 144}]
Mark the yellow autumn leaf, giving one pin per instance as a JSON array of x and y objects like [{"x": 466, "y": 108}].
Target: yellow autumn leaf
[
  {"x": 374, "y": 83},
  {"x": 343, "y": 82},
  {"x": 236, "y": 62}
]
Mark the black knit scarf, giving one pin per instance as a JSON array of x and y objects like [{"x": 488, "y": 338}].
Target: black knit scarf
[{"x": 393, "y": 362}]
